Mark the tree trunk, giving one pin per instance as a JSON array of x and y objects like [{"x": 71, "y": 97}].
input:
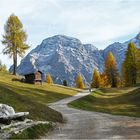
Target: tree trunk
[{"x": 14, "y": 63}]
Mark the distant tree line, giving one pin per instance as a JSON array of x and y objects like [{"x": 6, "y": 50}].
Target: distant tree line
[
  {"x": 130, "y": 71},
  {"x": 3, "y": 67},
  {"x": 110, "y": 77}
]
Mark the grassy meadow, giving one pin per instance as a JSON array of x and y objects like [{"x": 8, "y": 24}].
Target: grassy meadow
[
  {"x": 117, "y": 101},
  {"x": 33, "y": 98}
]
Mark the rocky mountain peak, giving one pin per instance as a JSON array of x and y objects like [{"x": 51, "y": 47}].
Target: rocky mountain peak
[{"x": 64, "y": 57}]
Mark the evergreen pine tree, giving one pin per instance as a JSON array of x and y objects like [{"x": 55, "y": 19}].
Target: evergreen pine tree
[
  {"x": 49, "y": 79},
  {"x": 79, "y": 81},
  {"x": 65, "y": 83},
  {"x": 111, "y": 70},
  {"x": 14, "y": 40}
]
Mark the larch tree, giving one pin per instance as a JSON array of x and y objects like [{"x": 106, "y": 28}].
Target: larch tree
[
  {"x": 111, "y": 70},
  {"x": 123, "y": 75},
  {"x": 96, "y": 79},
  {"x": 3, "y": 67},
  {"x": 14, "y": 40},
  {"x": 49, "y": 79},
  {"x": 138, "y": 63},
  {"x": 104, "y": 80},
  {"x": 129, "y": 66},
  {"x": 79, "y": 81},
  {"x": 0, "y": 65}
]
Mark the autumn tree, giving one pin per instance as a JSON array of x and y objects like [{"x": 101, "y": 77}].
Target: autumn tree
[
  {"x": 111, "y": 70},
  {"x": 3, "y": 67},
  {"x": 104, "y": 80},
  {"x": 96, "y": 79},
  {"x": 14, "y": 40},
  {"x": 138, "y": 63},
  {"x": 79, "y": 81},
  {"x": 129, "y": 66},
  {"x": 123, "y": 76},
  {"x": 49, "y": 79},
  {"x": 0, "y": 65}
]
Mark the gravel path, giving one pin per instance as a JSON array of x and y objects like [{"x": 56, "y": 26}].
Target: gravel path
[{"x": 82, "y": 124}]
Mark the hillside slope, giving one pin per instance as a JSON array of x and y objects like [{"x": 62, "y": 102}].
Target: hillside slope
[
  {"x": 32, "y": 98},
  {"x": 121, "y": 101}
]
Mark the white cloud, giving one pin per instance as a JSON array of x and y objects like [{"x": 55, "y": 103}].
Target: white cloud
[{"x": 98, "y": 21}]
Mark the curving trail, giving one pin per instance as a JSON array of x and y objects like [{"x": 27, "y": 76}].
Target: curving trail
[{"x": 82, "y": 124}]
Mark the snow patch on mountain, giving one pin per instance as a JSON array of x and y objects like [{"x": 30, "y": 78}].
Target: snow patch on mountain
[
  {"x": 119, "y": 49},
  {"x": 64, "y": 57}
]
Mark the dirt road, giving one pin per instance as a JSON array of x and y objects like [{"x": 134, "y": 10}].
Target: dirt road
[{"x": 82, "y": 124}]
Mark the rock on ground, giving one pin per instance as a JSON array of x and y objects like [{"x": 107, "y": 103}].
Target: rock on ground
[{"x": 15, "y": 127}]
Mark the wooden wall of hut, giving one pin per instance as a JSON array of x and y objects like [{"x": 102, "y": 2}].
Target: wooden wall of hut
[{"x": 30, "y": 78}]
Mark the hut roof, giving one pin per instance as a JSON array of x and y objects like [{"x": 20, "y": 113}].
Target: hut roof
[{"x": 30, "y": 72}]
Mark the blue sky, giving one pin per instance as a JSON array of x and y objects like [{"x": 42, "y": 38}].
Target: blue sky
[{"x": 100, "y": 22}]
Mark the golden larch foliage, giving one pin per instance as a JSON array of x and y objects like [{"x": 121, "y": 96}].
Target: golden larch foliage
[
  {"x": 96, "y": 79},
  {"x": 79, "y": 81},
  {"x": 49, "y": 79},
  {"x": 14, "y": 40},
  {"x": 111, "y": 70},
  {"x": 104, "y": 80}
]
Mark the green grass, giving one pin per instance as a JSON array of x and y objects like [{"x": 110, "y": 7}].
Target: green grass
[
  {"x": 33, "y": 98},
  {"x": 117, "y": 101},
  {"x": 33, "y": 132}
]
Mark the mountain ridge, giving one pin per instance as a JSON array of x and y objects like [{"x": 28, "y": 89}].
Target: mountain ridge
[{"x": 65, "y": 56}]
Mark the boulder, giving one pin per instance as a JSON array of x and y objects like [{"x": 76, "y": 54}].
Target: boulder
[
  {"x": 7, "y": 114},
  {"x": 6, "y": 110}
]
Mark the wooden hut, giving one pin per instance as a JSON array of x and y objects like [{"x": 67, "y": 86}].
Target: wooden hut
[{"x": 34, "y": 78}]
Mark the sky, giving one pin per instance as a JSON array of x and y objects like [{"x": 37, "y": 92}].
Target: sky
[{"x": 100, "y": 22}]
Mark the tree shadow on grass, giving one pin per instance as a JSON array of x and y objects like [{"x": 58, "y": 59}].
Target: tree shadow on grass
[
  {"x": 36, "y": 93},
  {"x": 38, "y": 109},
  {"x": 125, "y": 104}
]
